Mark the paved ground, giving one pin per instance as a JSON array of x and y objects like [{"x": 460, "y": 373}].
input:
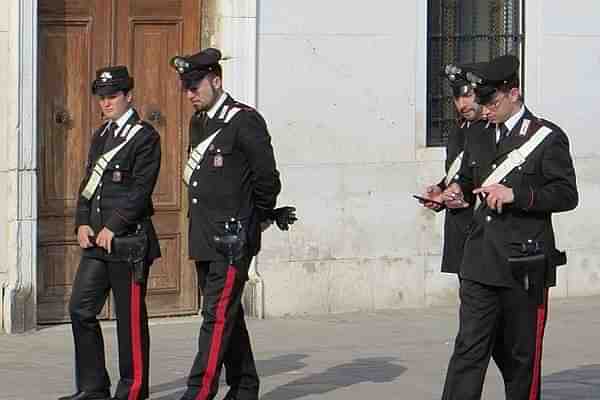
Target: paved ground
[{"x": 384, "y": 355}]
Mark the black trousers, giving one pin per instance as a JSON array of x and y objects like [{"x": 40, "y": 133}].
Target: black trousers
[
  {"x": 94, "y": 279},
  {"x": 223, "y": 337},
  {"x": 488, "y": 311}
]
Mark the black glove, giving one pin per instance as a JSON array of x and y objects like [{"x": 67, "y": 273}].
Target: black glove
[{"x": 284, "y": 217}]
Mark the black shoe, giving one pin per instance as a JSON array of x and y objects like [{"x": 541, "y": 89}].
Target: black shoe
[
  {"x": 87, "y": 396},
  {"x": 233, "y": 394}
]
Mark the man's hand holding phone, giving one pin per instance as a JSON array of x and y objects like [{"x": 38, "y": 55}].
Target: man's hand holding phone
[
  {"x": 453, "y": 197},
  {"x": 432, "y": 198}
]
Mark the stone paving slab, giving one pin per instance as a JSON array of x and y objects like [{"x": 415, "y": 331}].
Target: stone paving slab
[{"x": 400, "y": 354}]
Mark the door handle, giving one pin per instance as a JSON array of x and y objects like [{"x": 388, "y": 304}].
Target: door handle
[
  {"x": 62, "y": 117},
  {"x": 155, "y": 116}
]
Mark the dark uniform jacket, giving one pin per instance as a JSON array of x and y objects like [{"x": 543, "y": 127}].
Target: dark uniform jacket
[
  {"x": 457, "y": 221},
  {"x": 237, "y": 177},
  {"x": 543, "y": 185},
  {"x": 123, "y": 198}
]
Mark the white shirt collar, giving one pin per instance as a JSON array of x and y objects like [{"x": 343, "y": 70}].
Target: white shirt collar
[
  {"x": 123, "y": 120},
  {"x": 213, "y": 110},
  {"x": 512, "y": 121}
]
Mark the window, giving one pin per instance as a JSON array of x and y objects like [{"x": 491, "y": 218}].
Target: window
[{"x": 465, "y": 31}]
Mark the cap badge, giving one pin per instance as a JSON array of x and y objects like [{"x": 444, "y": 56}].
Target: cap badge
[
  {"x": 105, "y": 76},
  {"x": 181, "y": 64},
  {"x": 451, "y": 71}
]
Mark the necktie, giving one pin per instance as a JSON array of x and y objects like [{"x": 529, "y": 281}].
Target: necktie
[
  {"x": 503, "y": 133},
  {"x": 199, "y": 129},
  {"x": 111, "y": 140}
]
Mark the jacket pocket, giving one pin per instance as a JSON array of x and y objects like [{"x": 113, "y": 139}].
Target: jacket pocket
[{"x": 118, "y": 171}]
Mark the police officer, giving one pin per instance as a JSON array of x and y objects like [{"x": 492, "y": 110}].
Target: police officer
[
  {"x": 470, "y": 122},
  {"x": 115, "y": 205},
  {"x": 517, "y": 177},
  {"x": 231, "y": 173},
  {"x": 457, "y": 221}
]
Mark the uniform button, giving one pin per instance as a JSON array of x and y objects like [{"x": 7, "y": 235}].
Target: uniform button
[
  {"x": 97, "y": 209},
  {"x": 520, "y": 168},
  {"x": 100, "y": 184},
  {"x": 197, "y": 167},
  {"x": 456, "y": 176},
  {"x": 117, "y": 166},
  {"x": 493, "y": 166},
  {"x": 195, "y": 183},
  {"x": 488, "y": 218},
  {"x": 98, "y": 198},
  {"x": 195, "y": 200}
]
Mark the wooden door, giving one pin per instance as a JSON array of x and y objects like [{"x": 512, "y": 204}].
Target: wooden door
[{"x": 76, "y": 37}]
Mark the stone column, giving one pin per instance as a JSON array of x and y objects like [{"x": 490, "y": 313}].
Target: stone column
[
  {"x": 18, "y": 203},
  {"x": 230, "y": 25}
]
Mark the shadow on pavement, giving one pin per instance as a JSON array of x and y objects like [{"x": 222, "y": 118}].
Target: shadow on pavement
[
  {"x": 377, "y": 370},
  {"x": 273, "y": 366},
  {"x": 581, "y": 383}
]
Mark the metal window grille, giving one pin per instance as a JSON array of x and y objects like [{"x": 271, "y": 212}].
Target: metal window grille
[{"x": 465, "y": 31}]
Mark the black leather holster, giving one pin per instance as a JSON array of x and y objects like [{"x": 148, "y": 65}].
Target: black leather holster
[
  {"x": 132, "y": 249},
  {"x": 530, "y": 270},
  {"x": 232, "y": 242}
]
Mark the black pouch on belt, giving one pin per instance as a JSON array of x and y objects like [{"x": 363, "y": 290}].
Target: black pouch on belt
[
  {"x": 530, "y": 271},
  {"x": 131, "y": 248}
]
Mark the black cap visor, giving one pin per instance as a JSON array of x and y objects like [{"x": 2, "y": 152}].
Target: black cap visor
[
  {"x": 485, "y": 94},
  {"x": 191, "y": 79},
  {"x": 461, "y": 90},
  {"x": 100, "y": 88}
]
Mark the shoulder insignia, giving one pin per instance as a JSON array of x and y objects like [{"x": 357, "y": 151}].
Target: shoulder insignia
[
  {"x": 524, "y": 127},
  {"x": 125, "y": 130},
  {"x": 224, "y": 111},
  {"x": 533, "y": 126},
  {"x": 232, "y": 113},
  {"x": 135, "y": 129}
]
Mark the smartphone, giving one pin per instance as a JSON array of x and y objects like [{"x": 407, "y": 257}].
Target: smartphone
[{"x": 426, "y": 200}]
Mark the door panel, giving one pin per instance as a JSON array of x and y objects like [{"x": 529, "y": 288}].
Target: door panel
[
  {"x": 69, "y": 53},
  {"x": 155, "y": 31}
]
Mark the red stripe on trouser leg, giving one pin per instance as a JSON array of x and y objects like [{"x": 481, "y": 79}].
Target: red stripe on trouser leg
[
  {"x": 539, "y": 338},
  {"x": 217, "y": 336},
  {"x": 136, "y": 341}
]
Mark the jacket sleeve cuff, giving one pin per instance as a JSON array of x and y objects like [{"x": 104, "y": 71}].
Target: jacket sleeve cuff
[
  {"x": 82, "y": 217},
  {"x": 116, "y": 223}
]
